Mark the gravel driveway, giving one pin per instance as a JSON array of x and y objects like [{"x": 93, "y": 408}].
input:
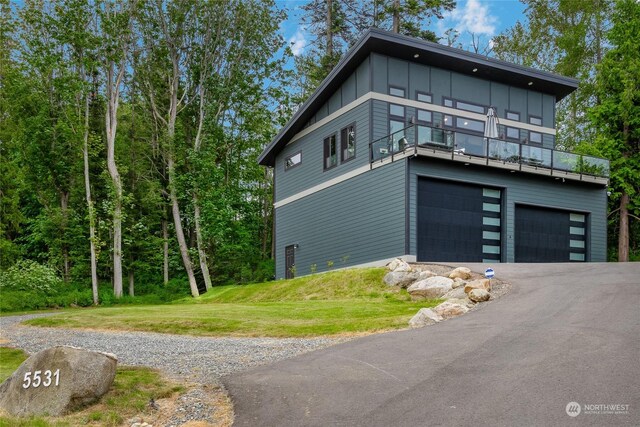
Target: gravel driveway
[{"x": 194, "y": 359}]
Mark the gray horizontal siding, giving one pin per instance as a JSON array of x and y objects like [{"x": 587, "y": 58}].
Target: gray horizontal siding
[
  {"x": 518, "y": 188},
  {"x": 357, "y": 221},
  {"x": 311, "y": 171}
]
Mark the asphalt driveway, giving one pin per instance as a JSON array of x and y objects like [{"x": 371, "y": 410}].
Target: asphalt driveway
[{"x": 566, "y": 333}]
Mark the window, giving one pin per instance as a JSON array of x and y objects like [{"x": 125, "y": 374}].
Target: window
[
  {"x": 469, "y": 125},
  {"x": 513, "y": 133},
  {"x": 424, "y": 97},
  {"x": 447, "y": 102},
  {"x": 424, "y": 116},
  {"x": 396, "y": 110},
  {"x": 535, "y": 137},
  {"x": 447, "y": 120},
  {"x": 293, "y": 160},
  {"x": 512, "y": 115},
  {"x": 330, "y": 156},
  {"x": 348, "y": 142},
  {"x": 467, "y": 106},
  {"x": 396, "y": 91},
  {"x": 534, "y": 120},
  {"x": 424, "y": 132}
]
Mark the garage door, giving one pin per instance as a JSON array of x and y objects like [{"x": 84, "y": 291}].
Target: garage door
[
  {"x": 549, "y": 235},
  {"x": 458, "y": 222}
]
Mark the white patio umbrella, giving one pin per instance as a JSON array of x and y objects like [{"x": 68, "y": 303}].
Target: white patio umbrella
[{"x": 491, "y": 128}]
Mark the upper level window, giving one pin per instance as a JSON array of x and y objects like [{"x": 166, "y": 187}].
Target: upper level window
[
  {"x": 535, "y": 137},
  {"x": 292, "y": 160},
  {"x": 330, "y": 152},
  {"x": 469, "y": 125},
  {"x": 396, "y": 110},
  {"x": 424, "y": 97},
  {"x": 467, "y": 106},
  {"x": 424, "y": 116},
  {"x": 513, "y": 133},
  {"x": 512, "y": 115},
  {"x": 534, "y": 120},
  {"x": 396, "y": 91},
  {"x": 447, "y": 102},
  {"x": 348, "y": 142},
  {"x": 447, "y": 120}
]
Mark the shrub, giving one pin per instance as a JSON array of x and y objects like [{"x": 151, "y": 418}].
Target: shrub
[{"x": 27, "y": 275}]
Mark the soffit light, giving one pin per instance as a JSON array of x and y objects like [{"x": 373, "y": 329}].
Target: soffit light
[
  {"x": 474, "y": 70},
  {"x": 530, "y": 83},
  {"x": 417, "y": 55}
]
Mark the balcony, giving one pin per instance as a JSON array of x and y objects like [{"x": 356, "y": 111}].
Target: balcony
[{"x": 420, "y": 140}]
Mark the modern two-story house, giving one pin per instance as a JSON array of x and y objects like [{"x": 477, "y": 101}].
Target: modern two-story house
[{"x": 396, "y": 155}]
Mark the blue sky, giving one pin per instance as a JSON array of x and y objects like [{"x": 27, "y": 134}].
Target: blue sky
[{"x": 484, "y": 18}]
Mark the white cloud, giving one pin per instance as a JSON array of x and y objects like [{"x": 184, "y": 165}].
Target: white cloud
[
  {"x": 298, "y": 42},
  {"x": 474, "y": 17}
]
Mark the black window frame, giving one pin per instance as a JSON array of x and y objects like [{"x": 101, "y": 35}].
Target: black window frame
[
  {"x": 404, "y": 91},
  {"x": 444, "y": 102},
  {"x": 327, "y": 149},
  {"x": 344, "y": 140},
  {"x": 288, "y": 168},
  {"x": 484, "y": 107},
  {"x": 466, "y": 130},
  {"x": 507, "y": 112},
  {"x": 535, "y": 117},
  {"x": 510, "y": 138},
  {"x": 530, "y": 141},
  {"x": 420, "y": 92}
]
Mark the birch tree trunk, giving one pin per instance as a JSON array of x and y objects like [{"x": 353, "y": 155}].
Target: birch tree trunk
[
  {"x": 90, "y": 207},
  {"x": 111, "y": 125},
  {"x": 165, "y": 252}
]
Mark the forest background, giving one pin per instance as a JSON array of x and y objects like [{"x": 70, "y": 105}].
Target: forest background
[{"x": 129, "y": 130}]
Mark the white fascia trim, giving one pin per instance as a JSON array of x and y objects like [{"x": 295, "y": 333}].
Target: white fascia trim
[{"x": 322, "y": 186}]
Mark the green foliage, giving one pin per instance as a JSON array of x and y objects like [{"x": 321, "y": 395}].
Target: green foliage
[
  {"x": 30, "y": 276},
  {"x": 10, "y": 360}
]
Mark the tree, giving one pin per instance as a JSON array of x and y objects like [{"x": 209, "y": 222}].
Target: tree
[
  {"x": 564, "y": 37},
  {"x": 616, "y": 118}
]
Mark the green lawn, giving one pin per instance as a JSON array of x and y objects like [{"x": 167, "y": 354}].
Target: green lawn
[{"x": 341, "y": 302}]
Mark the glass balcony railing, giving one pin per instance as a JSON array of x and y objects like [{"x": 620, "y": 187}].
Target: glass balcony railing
[{"x": 457, "y": 142}]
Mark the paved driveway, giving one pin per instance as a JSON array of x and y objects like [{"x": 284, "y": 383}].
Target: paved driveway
[{"x": 566, "y": 333}]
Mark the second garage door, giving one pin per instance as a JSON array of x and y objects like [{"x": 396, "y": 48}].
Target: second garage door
[{"x": 549, "y": 235}]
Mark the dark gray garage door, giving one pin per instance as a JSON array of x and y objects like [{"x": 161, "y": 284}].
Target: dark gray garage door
[
  {"x": 458, "y": 222},
  {"x": 549, "y": 235}
]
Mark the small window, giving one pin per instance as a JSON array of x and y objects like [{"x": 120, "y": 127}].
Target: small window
[
  {"x": 513, "y": 133},
  {"x": 474, "y": 108},
  {"x": 535, "y": 137},
  {"x": 348, "y": 142},
  {"x": 512, "y": 115},
  {"x": 447, "y": 102},
  {"x": 292, "y": 161},
  {"x": 330, "y": 152},
  {"x": 424, "y": 116},
  {"x": 535, "y": 120},
  {"x": 396, "y": 91},
  {"x": 424, "y": 97},
  {"x": 447, "y": 121},
  {"x": 469, "y": 125},
  {"x": 396, "y": 110}
]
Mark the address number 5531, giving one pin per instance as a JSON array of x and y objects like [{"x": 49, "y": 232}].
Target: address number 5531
[{"x": 38, "y": 378}]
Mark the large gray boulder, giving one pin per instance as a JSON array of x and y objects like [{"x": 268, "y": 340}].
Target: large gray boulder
[
  {"x": 57, "y": 381},
  {"x": 461, "y": 272},
  {"x": 450, "y": 309},
  {"x": 399, "y": 265},
  {"x": 424, "y": 317},
  {"x": 401, "y": 278},
  {"x": 433, "y": 287}
]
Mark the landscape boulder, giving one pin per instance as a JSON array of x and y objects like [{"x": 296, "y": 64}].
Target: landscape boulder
[
  {"x": 433, "y": 287},
  {"x": 399, "y": 265},
  {"x": 425, "y": 316},
  {"x": 478, "y": 284},
  {"x": 57, "y": 381},
  {"x": 479, "y": 295},
  {"x": 401, "y": 278},
  {"x": 425, "y": 274},
  {"x": 450, "y": 309},
  {"x": 458, "y": 282},
  {"x": 461, "y": 272},
  {"x": 455, "y": 293}
]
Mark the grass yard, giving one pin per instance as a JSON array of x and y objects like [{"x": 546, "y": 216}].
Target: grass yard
[
  {"x": 129, "y": 396},
  {"x": 342, "y": 302}
]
